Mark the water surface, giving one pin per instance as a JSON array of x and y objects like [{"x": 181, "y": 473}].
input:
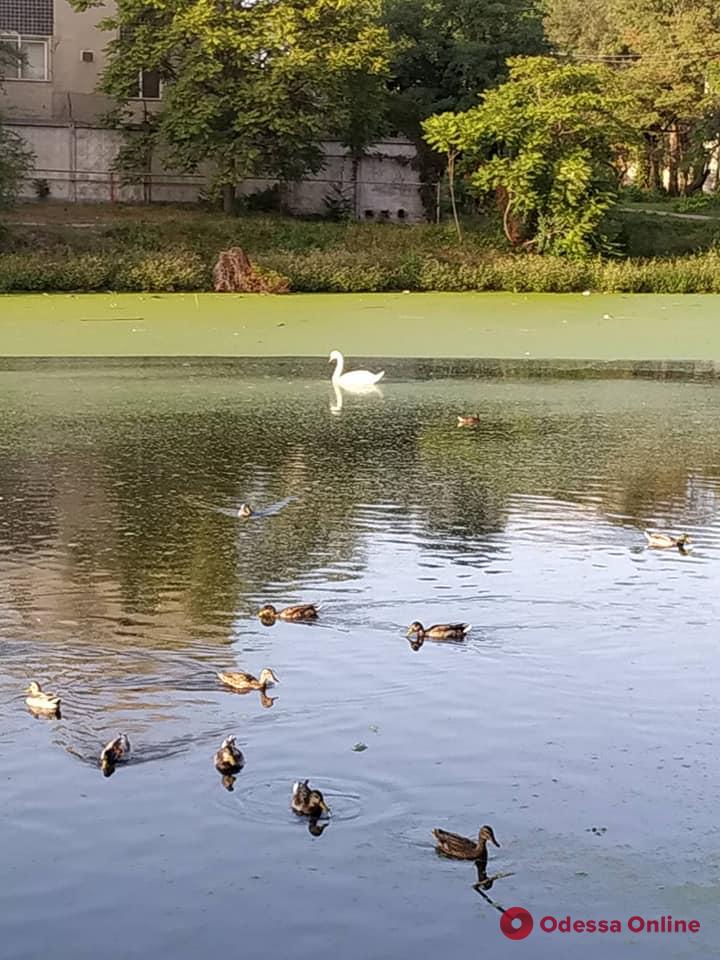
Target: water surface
[
  {"x": 580, "y": 718},
  {"x": 610, "y": 329}
]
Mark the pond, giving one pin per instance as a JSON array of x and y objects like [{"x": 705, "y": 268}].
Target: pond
[
  {"x": 579, "y": 718},
  {"x": 612, "y": 329}
]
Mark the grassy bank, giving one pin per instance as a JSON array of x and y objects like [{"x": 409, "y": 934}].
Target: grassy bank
[{"x": 169, "y": 249}]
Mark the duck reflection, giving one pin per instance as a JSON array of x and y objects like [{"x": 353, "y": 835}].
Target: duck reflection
[
  {"x": 316, "y": 828},
  {"x": 265, "y": 700},
  {"x": 228, "y": 781},
  {"x": 485, "y": 882}
]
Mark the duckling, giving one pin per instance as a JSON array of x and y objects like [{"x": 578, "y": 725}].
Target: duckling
[
  {"x": 470, "y": 421},
  {"x": 661, "y": 540},
  {"x": 114, "y": 752},
  {"x": 308, "y": 802},
  {"x": 460, "y": 848},
  {"x": 300, "y": 611},
  {"x": 40, "y": 701},
  {"x": 245, "y": 511},
  {"x": 246, "y": 681},
  {"x": 440, "y": 631},
  {"x": 229, "y": 758}
]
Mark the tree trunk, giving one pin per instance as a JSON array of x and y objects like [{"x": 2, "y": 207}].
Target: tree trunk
[
  {"x": 514, "y": 226},
  {"x": 355, "y": 175},
  {"x": 673, "y": 161},
  {"x": 228, "y": 198},
  {"x": 698, "y": 181},
  {"x": 451, "y": 184}
]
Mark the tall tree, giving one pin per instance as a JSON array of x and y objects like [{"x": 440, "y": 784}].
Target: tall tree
[
  {"x": 251, "y": 87},
  {"x": 544, "y": 141},
  {"x": 667, "y": 55},
  {"x": 447, "y": 52},
  {"x": 16, "y": 158}
]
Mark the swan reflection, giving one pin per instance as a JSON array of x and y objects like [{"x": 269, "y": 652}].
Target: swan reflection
[{"x": 337, "y": 405}]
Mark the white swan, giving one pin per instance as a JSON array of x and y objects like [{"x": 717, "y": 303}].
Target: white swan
[{"x": 355, "y": 379}]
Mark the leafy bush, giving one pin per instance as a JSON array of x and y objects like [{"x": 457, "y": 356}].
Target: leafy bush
[
  {"x": 178, "y": 253},
  {"x": 16, "y": 161},
  {"x": 165, "y": 272}
]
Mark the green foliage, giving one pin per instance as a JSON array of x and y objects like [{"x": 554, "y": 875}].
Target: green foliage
[
  {"x": 669, "y": 55},
  {"x": 251, "y": 88},
  {"x": 164, "y": 272},
  {"x": 446, "y": 53},
  {"x": 16, "y": 162},
  {"x": 546, "y": 140},
  {"x": 338, "y": 203},
  {"x": 87, "y": 273},
  {"x": 651, "y": 234}
]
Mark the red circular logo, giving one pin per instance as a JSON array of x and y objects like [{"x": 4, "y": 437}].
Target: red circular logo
[{"x": 516, "y": 923}]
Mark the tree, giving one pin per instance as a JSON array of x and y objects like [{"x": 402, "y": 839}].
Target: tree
[
  {"x": 250, "y": 86},
  {"x": 446, "y": 53},
  {"x": 666, "y": 55},
  {"x": 444, "y": 133},
  {"x": 16, "y": 158},
  {"x": 544, "y": 141}
]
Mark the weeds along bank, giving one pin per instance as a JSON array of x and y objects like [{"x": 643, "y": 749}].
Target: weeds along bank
[{"x": 317, "y": 257}]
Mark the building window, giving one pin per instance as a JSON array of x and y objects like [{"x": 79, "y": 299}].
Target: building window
[
  {"x": 149, "y": 85},
  {"x": 30, "y": 18},
  {"x": 28, "y": 58}
]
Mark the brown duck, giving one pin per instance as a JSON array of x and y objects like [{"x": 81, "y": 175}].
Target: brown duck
[
  {"x": 229, "y": 759},
  {"x": 461, "y": 848},
  {"x": 664, "y": 540},
  {"x": 439, "y": 631},
  {"x": 469, "y": 421},
  {"x": 299, "y": 611},
  {"x": 308, "y": 802},
  {"x": 246, "y": 681}
]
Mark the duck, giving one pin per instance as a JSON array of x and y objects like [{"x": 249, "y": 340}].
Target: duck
[
  {"x": 41, "y": 701},
  {"x": 114, "y": 752},
  {"x": 308, "y": 802},
  {"x": 439, "y": 631},
  {"x": 461, "y": 848},
  {"x": 665, "y": 540},
  {"x": 469, "y": 421},
  {"x": 299, "y": 611},
  {"x": 229, "y": 759},
  {"x": 245, "y": 511},
  {"x": 246, "y": 681},
  {"x": 355, "y": 379}
]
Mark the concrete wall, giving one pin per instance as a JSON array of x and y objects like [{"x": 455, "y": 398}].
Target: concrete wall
[{"x": 77, "y": 163}]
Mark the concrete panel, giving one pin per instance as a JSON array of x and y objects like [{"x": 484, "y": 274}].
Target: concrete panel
[{"x": 77, "y": 161}]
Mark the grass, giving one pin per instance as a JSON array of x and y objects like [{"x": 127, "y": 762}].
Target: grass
[{"x": 58, "y": 247}]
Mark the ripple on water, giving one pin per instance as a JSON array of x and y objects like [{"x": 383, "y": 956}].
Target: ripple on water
[{"x": 375, "y": 801}]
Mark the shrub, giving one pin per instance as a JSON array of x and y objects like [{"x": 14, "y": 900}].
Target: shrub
[{"x": 165, "y": 272}]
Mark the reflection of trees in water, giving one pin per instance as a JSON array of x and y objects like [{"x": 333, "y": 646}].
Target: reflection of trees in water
[{"x": 117, "y": 487}]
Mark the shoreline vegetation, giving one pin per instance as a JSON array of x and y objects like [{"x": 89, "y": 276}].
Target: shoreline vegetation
[{"x": 174, "y": 249}]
